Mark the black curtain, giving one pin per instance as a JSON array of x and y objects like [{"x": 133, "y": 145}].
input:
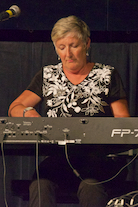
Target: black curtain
[{"x": 21, "y": 60}]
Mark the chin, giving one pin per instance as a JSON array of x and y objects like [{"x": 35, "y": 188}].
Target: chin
[{"x": 73, "y": 68}]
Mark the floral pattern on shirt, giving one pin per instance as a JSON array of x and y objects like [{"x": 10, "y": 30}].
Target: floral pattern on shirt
[{"x": 87, "y": 97}]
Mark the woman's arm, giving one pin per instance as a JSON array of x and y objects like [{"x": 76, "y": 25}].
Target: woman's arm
[
  {"x": 26, "y": 99},
  {"x": 120, "y": 108}
]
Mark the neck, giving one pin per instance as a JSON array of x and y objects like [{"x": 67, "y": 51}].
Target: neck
[
  {"x": 80, "y": 71},
  {"x": 79, "y": 75}
]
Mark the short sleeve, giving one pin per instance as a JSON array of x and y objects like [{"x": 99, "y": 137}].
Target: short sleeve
[
  {"x": 116, "y": 90},
  {"x": 36, "y": 84}
]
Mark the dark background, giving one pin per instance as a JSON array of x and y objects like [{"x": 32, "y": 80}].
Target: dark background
[
  {"x": 25, "y": 46},
  {"x": 109, "y": 20}
]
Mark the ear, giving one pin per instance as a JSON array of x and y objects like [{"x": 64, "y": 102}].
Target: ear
[
  {"x": 88, "y": 43},
  {"x": 57, "y": 52}
]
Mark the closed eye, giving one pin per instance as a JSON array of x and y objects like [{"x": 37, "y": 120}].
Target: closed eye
[
  {"x": 74, "y": 46},
  {"x": 61, "y": 48}
]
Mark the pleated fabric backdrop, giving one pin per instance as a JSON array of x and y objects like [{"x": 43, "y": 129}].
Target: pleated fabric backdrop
[{"x": 21, "y": 60}]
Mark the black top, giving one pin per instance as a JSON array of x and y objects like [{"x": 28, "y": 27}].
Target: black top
[{"x": 92, "y": 97}]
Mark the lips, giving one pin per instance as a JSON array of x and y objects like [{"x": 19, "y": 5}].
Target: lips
[{"x": 70, "y": 61}]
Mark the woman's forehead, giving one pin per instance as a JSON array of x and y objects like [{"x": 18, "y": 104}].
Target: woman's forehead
[
  {"x": 70, "y": 36},
  {"x": 68, "y": 40}
]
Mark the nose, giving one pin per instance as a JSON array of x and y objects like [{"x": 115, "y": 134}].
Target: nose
[{"x": 68, "y": 52}]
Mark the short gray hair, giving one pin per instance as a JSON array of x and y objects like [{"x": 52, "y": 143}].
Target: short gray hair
[{"x": 70, "y": 24}]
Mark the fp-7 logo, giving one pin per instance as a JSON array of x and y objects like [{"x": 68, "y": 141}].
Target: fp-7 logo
[{"x": 123, "y": 132}]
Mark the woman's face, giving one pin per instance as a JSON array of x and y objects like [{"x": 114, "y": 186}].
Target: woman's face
[{"x": 72, "y": 52}]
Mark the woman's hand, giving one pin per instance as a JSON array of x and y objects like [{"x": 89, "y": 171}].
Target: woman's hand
[{"x": 32, "y": 113}]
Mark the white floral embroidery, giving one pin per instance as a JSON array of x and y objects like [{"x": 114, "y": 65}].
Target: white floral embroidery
[{"x": 86, "y": 97}]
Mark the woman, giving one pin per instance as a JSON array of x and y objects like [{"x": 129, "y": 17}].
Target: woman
[{"x": 74, "y": 87}]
